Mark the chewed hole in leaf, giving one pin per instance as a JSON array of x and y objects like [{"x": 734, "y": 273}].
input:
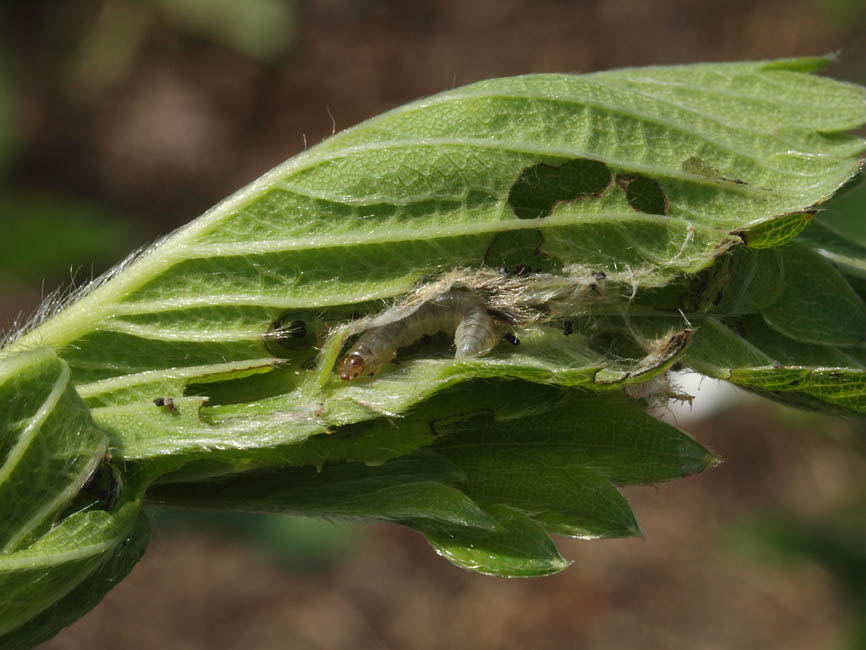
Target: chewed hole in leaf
[
  {"x": 287, "y": 335},
  {"x": 245, "y": 386},
  {"x": 540, "y": 187},
  {"x": 643, "y": 194},
  {"x": 513, "y": 249}
]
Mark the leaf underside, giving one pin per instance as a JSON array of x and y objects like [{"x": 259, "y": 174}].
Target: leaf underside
[{"x": 617, "y": 223}]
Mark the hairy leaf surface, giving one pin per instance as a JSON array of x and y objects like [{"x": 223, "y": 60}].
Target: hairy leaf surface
[
  {"x": 616, "y": 223},
  {"x": 642, "y": 174}
]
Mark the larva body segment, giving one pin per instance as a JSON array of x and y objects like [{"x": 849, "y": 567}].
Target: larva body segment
[
  {"x": 461, "y": 312},
  {"x": 476, "y": 334}
]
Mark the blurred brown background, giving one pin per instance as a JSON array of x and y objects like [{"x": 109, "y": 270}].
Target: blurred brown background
[{"x": 122, "y": 119}]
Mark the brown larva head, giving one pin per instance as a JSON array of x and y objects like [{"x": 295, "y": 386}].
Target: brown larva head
[{"x": 352, "y": 366}]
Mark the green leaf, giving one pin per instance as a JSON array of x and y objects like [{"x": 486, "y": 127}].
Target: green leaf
[
  {"x": 438, "y": 185},
  {"x": 620, "y": 203},
  {"x": 197, "y": 426},
  {"x": 740, "y": 282},
  {"x": 560, "y": 467},
  {"x": 42, "y": 575},
  {"x": 61, "y": 563},
  {"x": 716, "y": 348},
  {"x": 571, "y": 499},
  {"x": 67, "y": 517},
  {"x": 473, "y": 405},
  {"x": 49, "y": 446},
  {"x": 817, "y": 305},
  {"x": 45, "y": 235},
  {"x": 415, "y": 487},
  {"x": 557, "y": 467},
  {"x": 610, "y": 435},
  {"x": 777, "y": 232},
  {"x": 847, "y": 255},
  {"x": 753, "y": 356},
  {"x": 519, "y": 549}
]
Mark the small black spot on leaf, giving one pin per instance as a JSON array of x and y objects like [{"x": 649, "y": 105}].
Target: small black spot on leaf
[
  {"x": 540, "y": 187},
  {"x": 165, "y": 402}
]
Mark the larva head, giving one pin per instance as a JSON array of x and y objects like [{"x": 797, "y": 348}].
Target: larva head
[{"x": 352, "y": 366}]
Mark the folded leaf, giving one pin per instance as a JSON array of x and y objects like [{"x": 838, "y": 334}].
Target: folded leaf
[
  {"x": 49, "y": 446},
  {"x": 89, "y": 592},
  {"x": 637, "y": 176},
  {"x": 615, "y": 223},
  {"x": 34, "y": 579}
]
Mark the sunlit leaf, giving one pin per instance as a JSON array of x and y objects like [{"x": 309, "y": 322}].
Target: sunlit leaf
[{"x": 613, "y": 224}]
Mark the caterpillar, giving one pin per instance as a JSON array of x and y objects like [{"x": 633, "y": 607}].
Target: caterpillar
[{"x": 461, "y": 312}]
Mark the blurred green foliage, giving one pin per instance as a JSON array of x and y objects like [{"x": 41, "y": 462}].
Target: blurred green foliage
[
  {"x": 6, "y": 140},
  {"x": 48, "y": 236},
  {"x": 109, "y": 43},
  {"x": 843, "y": 11},
  {"x": 260, "y": 29},
  {"x": 835, "y": 542}
]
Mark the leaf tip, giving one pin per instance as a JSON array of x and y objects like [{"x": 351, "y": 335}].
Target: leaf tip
[
  {"x": 805, "y": 64},
  {"x": 559, "y": 565},
  {"x": 696, "y": 465},
  {"x": 635, "y": 531}
]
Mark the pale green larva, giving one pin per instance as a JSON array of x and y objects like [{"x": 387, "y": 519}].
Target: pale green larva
[{"x": 461, "y": 312}]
